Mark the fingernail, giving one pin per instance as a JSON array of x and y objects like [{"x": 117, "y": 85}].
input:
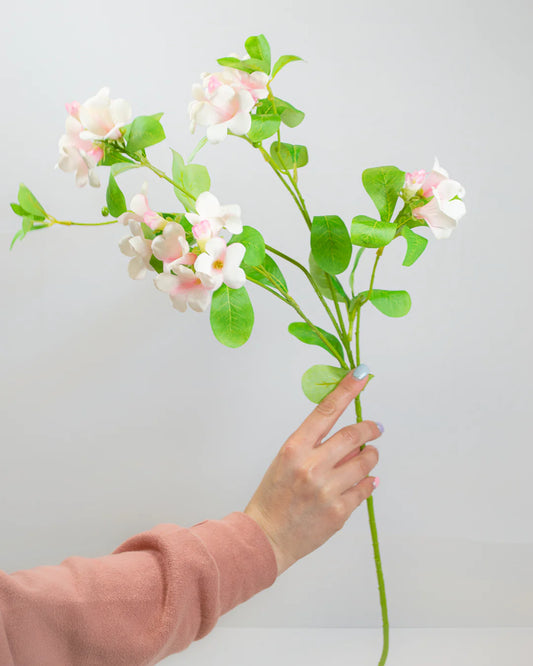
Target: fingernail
[
  {"x": 380, "y": 427},
  {"x": 375, "y": 482},
  {"x": 361, "y": 371}
]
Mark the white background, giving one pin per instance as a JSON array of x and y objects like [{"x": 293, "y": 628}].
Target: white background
[{"x": 119, "y": 413}]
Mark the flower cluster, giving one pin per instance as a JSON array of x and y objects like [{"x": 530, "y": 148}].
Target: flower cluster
[
  {"x": 445, "y": 206},
  {"x": 224, "y": 101},
  {"x": 194, "y": 264},
  {"x": 97, "y": 119}
]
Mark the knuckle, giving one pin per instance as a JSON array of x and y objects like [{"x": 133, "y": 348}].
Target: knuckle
[
  {"x": 337, "y": 513},
  {"x": 349, "y": 435},
  {"x": 307, "y": 475},
  {"x": 289, "y": 452},
  {"x": 327, "y": 407},
  {"x": 369, "y": 458}
]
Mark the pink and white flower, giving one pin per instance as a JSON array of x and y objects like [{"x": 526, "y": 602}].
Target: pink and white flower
[
  {"x": 77, "y": 154},
  {"x": 172, "y": 248},
  {"x": 224, "y": 100},
  {"x": 219, "y": 217},
  {"x": 103, "y": 117},
  {"x": 184, "y": 288},
  {"x": 139, "y": 249},
  {"x": 220, "y": 263},
  {"x": 140, "y": 211},
  {"x": 445, "y": 207}
]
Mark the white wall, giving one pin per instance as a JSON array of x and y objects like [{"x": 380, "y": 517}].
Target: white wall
[{"x": 119, "y": 413}]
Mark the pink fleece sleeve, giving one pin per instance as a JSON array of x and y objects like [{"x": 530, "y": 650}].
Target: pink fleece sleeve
[{"x": 155, "y": 594}]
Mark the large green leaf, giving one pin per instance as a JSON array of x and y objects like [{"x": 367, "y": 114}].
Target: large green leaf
[
  {"x": 258, "y": 48},
  {"x": 282, "y": 61},
  {"x": 263, "y": 127},
  {"x": 231, "y": 316},
  {"x": 321, "y": 279},
  {"x": 269, "y": 267},
  {"x": 320, "y": 380},
  {"x": 115, "y": 199},
  {"x": 330, "y": 243},
  {"x": 290, "y": 115},
  {"x": 383, "y": 184},
  {"x": 391, "y": 303},
  {"x": 305, "y": 333},
  {"x": 29, "y": 203},
  {"x": 253, "y": 242},
  {"x": 144, "y": 131},
  {"x": 196, "y": 180},
  {"x": 415, "y": 245},
  {"x": 178, "y": 169},
  {"x": 368, "y": 232},
  {"x": 287, "y": 156}
]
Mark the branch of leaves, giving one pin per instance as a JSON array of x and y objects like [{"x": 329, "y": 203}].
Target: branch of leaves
[{"x": 33, "y": 216}]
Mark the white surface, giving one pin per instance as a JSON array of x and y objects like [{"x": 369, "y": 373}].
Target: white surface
[
  {"x": 360, "y": 647},
  {"x": 108, "y": 421}
]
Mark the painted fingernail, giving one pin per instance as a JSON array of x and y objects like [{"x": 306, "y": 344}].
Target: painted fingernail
[
  {"x": 361, "y": 371},
  {"x": 375, "y": 482},
  {"x": 380, "y": 427}
]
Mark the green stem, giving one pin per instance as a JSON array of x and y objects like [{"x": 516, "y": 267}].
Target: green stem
[
  {"x": 146, "y": 163},
  {"x": 80, "y": 224},
  {"x": 370, "y": 500}
]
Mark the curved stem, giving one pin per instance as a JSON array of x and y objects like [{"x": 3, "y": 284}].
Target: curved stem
[
  {"x": 68, "y": 223},
  {"x": 146, "y": 163}
]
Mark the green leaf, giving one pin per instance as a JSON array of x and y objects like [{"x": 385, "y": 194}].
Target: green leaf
[
  {"x": 20, "y": 234},
  {"x": 114, "y": 197},
  {"x": 148, "y": 232},
  {"x": 263, "y": 127},
  {"x": 113, "y": 156},
  {"x": 27, "y": 224},
  {"x": 199, "y": 147},
  {"x": 330, "y": 243},
  {"x": 232, "y": 316},
  {"x": 282, "y": 61},
  {"x": 269, "y": 267},
  {"x": 320, "y": 277},
  {"x": 287, "y": 156},
  {"x": 290, "y": 115},
  {"x": 258, "y": 48},
  {"x": 305, "y": 333},
  {"x": 355, "y": 264},
  {"x": 178, "y": 168},
  {"x": 18, "y": 210},
  {"x": 156, "y": 263},
  {"x": 391, "y": 303},
  {"x": 368, "y": 232},
  {"x": 415, "y": 245},
  {"x": 195, "y": 179},
  {"x": 383, "y": 184},
  {"x": 119, "y": 168},
  {"x": 249, "y": 65},
  {"x": 29, "y": 203},
  {"x": 253, "y": 242},
  {"x": 144, "y": 131},
  {"x": 320, "y": 380}
]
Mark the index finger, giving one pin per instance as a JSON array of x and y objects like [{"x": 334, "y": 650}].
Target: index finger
[{"x": 324, "y": 416}]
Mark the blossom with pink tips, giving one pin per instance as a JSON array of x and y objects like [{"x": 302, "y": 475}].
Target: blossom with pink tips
[
  {"x": 445, "y": 207},
  {"x": 77, "y": 154},
  {"x": 140, "y": 211},
  {"x": 139, "y": 249},
  {"x": 208, "y": 209},
  {"x": 172, "y": 248},
  {"x": 184, "y": 288},
  {"x": 220, "y": 263},
  {"x": 224, "y": 101},
  {"x": 103, "y": 117}
]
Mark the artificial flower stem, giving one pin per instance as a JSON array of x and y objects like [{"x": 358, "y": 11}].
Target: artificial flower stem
[
  {"x": 146, "y": 163},
  {"x": 370, "y": 500},
  {"x": 79, "y": 224}
]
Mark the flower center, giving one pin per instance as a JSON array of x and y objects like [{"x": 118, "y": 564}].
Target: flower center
[{"x": 218, "y": 265}]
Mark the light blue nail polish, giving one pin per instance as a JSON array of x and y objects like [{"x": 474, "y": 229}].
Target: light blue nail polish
[
  {"x": 380, "y": 427},
  {"x": 361, "y": 371}
]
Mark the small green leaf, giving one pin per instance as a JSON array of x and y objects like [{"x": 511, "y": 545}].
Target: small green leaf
[
  {"x": 383, "y": 184},
  {"x": 269, "y": 267},
  {"x": 144, "y": 131},
  {"x": 195, "y": 179},
  {"x": 156, "y": 263},
  {"x": 320, "y": 380},
  {"x": 232, "y": 316},
  {"x": 29, "y": 203},
  {"x": 249, "y": 65},
  {"x": 321, "y": 280},
  {"x": 115, "y": 198},
  {"x": 253, "y": 242},
  {"x": 368, "y": 232},
  {"x": 20, "y": 234},
  {"x": 18, "y": 210},
  {"x": 305, "y": 333},
  {"x": 415, "y": 245},
  {"x": 286, "y": 156},
  {"x": 258, "y": 48},
  {"x": 263, "y": 127},
  {"x": 178, "y": 168},
  {"x": 391, "y": 303},
  {"x": 113, "y": 156},
  {"x": 148, "y": 233},
  {"x": 27, "y": 224},
  {"x": 330, "y": 243},
  {"x": 290, "y": 115},
  {"x": 282, "y": 61},
  {"x": 199, "y": 147}
]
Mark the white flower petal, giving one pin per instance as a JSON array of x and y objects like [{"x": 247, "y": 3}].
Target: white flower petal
[
  {"x": 217, "y": 133},
  {"x": 240, "y": 123},
  {"x": 120, "y": 111},
  {"x": 235, "y": 254},
  {"x": 137, "y": 268},
  {"x": 234, "y": 277}
]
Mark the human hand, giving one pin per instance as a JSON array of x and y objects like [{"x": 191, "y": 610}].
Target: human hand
[{"x": 312, "y": 487}]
